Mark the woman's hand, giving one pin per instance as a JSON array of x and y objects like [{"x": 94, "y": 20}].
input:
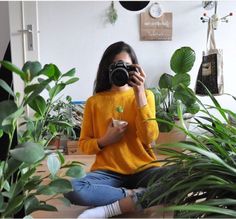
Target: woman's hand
[
  {"x": 137, "y": 81},
  {"x": 112, "y": 135}
]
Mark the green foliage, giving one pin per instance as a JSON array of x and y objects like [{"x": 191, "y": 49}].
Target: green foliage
[
  {"x": 200, "y": 180},
  {"x": 19, "y": 183},
  {"x": 173, "y": 88},
  {"x": 112, "y": 13},
  {"x": 119, "y": 110},
  {"x": 61, "y": 120}
]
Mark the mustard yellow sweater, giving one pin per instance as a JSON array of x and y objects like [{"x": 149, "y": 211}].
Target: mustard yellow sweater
[{"x": 133, "y": 151}]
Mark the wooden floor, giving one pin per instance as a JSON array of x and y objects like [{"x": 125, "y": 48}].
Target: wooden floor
[{"x": 73, "y": 211}]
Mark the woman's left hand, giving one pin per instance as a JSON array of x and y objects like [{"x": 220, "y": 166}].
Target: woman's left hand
[{"x": 137, "y": 81}]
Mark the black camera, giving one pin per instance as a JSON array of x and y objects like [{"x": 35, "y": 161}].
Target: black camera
[{"x": 120, "y": 73}]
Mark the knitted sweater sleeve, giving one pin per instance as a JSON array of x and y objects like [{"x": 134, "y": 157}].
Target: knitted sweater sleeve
[
  {"x": 147, "y": 130},
  {"x": 87, "y": 142}
]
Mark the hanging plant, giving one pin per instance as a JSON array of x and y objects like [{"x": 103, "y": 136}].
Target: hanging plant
[{"x": 112, "y": 13}]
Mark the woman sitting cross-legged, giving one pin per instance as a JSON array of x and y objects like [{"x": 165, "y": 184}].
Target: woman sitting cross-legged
[{"x": 124, "y": 158}]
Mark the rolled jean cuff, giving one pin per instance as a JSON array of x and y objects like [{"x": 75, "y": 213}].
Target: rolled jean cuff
[{"x": 125, "y": 191}]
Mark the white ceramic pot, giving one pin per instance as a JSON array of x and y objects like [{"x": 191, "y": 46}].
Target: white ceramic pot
[{"x": 117, "y": 123}]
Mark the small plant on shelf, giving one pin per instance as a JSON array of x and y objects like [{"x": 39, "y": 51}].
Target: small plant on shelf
[{"x": 119, "y": 112}]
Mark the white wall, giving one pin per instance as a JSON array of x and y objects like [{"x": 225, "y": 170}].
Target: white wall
[
  {"x": 74, "y": 34},
  {"x": 4, "y": 28}
]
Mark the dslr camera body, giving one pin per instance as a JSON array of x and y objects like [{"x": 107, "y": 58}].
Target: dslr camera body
[{"x": 120, "y": 73}]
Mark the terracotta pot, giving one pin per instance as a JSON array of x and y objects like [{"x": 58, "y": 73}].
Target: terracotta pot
[{"x": 55, "y": 143}]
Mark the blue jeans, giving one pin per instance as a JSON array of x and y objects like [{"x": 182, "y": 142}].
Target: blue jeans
[{"x": 99, "y": 188}]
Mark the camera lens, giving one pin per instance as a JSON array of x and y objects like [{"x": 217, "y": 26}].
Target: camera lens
[{"x": 119, "y": 77}]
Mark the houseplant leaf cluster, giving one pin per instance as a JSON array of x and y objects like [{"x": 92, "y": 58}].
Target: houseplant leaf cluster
[
  {"x": 200, "y": 181},
  {"x": 112, "y": 15},
  {"x": 61, "y": 119},
  {"x": 172, "y": 88},
  {"x": 20, "y": 184}
]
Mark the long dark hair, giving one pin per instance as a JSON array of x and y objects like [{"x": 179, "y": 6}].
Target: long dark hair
[{"x": 102, "y": 82}]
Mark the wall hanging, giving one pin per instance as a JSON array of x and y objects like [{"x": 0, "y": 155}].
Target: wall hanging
[
  {"x": 215, "y": 19},
  {"x": 156, "y": 25},
  {"x": 155, "y": 10},
  {"x": 211, "y": 70},
  {"x": 134, "y": 5},
  {"x": 112, "y": 13}
]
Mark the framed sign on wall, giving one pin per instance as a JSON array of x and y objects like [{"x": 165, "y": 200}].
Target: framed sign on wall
[{"x": 156, "y": 28}]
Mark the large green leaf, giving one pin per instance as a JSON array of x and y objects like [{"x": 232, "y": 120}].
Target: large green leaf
[
  {"x": 45, "y": 207},
  {"x": 12, "y": 167},
  {"x": 32, "y": 69},
  {"x": 165, "y": 121},
  {"x": 13, "y": 205},
  {"x": 11, "y": 67},
  {"x": 165, "y": 81},
  {"x": 33, "y": 183},
  {"x": 30, "y": 204},
  {"x": 51, "y": 71},
  {"x": 185, "y": 95},
  {"x": 61, "y": 157},
  {"x": 6, "y": 87},
  {"x": 9, "y": 120},
  {"x": 7, "y": 107},
  {"x": 38, "y": 89},
  {"x": 182, "y": 60},
  {"x": 39, "y": 105},
  {"x": 28, "y": 152},
  {"x": 70, "y": 73},
  {"x": 75, "y": 172},
  {"x": 53, "y": 164},
  {"x": 71, "y": 81},
  {"x": 181, "y": 79},
  {"x": 193, "y": 108},
  {"x": 6, "y": 186},
  {"x": 57, "y": 186},
  {"x": 28, "y": 89},
  {"x": 56, "y": 90}
]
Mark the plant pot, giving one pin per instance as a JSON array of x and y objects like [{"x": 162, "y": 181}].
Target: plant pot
[
  {"x": 174, "y": 136},
  {"x": 55, "y": 143}
]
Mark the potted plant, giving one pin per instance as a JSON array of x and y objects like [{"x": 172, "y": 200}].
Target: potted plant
[
  {"x": 61, "y": 121},
  {"x": 201, "y": 183},
  {"x": 119, "y": 121},
  {"x": 20, "y": 186},
  {"x": 173, "y": 88}
]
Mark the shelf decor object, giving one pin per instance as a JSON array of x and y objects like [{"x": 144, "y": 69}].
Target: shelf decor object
[
  {"x": 156, "y": 10},
  {"x": 215, "y": 19}
]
